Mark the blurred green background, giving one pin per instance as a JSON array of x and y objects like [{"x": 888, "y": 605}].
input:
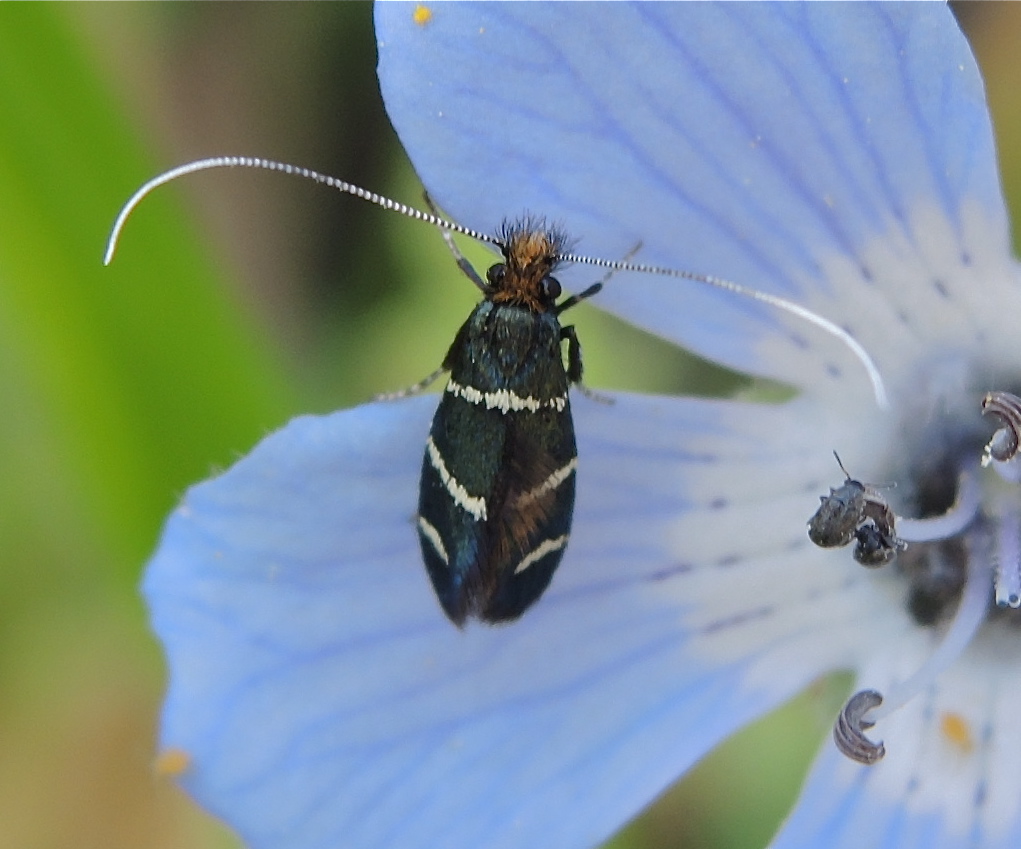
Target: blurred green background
[{"x": 237, "y": 300}]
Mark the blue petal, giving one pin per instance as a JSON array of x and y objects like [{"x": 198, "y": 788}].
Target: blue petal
[
  {"x": 840, "y": 808},
  {"x": 936, "y": 788},
  {"x": 750, "y": 141},
  {"x": 847, "y": 806},
  {"x": 325, "y": 700}
]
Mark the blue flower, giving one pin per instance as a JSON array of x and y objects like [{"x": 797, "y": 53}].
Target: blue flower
[{"x": 839, "y": 156}]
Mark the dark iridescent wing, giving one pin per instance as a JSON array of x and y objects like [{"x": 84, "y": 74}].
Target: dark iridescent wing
[{"x": 497, "y": 488}]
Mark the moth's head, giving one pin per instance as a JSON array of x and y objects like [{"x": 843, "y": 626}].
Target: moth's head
[{"x": 531, "y": 252}]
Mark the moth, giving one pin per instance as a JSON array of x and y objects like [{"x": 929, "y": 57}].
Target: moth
[
  {"x": 496, "y": 499},
  {"x": 497, "y": 488}
]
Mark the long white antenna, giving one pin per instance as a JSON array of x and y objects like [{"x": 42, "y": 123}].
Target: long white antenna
[
  {"x": 272, "y": 165},
  {"x": 878, "y": 388}
]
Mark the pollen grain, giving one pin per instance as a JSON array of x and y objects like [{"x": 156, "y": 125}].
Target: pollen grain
[
  {"x": 957, "y": 731},
  {"x": 422, "y": 15},
  {"x": 171, "y": 763}
]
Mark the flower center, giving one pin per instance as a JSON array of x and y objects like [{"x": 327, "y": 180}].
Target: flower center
[{"x": 961, "y": 557}]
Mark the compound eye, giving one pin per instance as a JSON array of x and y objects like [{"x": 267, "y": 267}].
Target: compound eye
[
  {"x": 551, "y": 288},
  {"x": 495, "y": 275}
]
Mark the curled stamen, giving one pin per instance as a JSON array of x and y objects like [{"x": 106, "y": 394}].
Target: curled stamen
[
  {"x": 1007, "y": 409},
  {"x": 961, "y": 514},
  {"x": 1007, "y": 577},
  {"x": 970, "y": 614},
  {"x": 851, "y": 725}
]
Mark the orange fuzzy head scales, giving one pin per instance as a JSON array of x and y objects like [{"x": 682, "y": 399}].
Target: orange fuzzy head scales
[{"x": 531, "y": 251}]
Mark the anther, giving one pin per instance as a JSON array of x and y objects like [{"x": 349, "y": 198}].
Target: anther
[
  {"x": 1005, "y": 407},
  {"x": 851, "y": 725}
]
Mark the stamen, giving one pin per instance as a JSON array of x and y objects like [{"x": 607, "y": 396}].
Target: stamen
[
  {"x": 961, "y": 514},
  {"x": 1009, "y": 470},
  {"x": 866, "y": 708},
  {"x": 971, "y": 612},
  {"x": 1007, "y": 576}
]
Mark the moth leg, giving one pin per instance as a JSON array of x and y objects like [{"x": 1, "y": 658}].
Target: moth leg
[
  {"x": 462, "y": 263},
  {"x": 595, "y": 287},
  {"x": 581, "y": 296},
  {"x": 414, "y": 389},
  {"x": 574, "y": 365}
]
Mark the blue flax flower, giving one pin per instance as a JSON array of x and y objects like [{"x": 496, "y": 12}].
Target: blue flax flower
[{"x": 839, "y": 156}]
